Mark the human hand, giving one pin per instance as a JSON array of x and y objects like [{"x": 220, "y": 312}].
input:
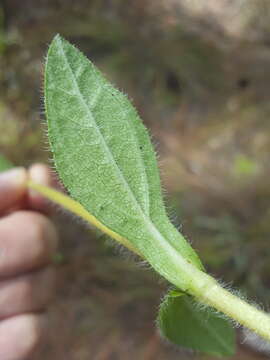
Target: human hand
[{"x": 28, "y": 240}]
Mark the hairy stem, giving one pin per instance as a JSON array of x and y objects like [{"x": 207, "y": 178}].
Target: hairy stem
[
  {"x": 238, "y": 309},
  {"x": 77, "y": 209},
  {"x": 208, "y": 291},
  {"x": 201, "y": 285}
]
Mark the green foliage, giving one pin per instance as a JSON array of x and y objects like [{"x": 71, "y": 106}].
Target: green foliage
[
  {"x": 103, "y": 152},
  {"x": 183, "y": 322},
  {"x": 5, "y": 164},
  {"x": 104, "y": 157}
]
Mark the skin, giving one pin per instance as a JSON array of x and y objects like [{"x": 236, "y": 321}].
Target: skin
[{"x": 28, "y": 241}]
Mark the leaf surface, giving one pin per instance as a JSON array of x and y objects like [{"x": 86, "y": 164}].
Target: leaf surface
[
  {"x": 184, "y": 323},
  {"x": 104, "y": 156}
]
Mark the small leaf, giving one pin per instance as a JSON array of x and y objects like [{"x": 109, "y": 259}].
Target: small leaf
[
  {"x": 5, "y": 164},
  {"x": 184, "y": 323}
]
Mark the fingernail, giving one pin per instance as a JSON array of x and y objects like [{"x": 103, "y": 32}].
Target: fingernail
[{"x": 14, "y": 177}]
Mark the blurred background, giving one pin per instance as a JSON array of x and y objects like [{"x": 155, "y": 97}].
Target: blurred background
[{"x": 199, "y": 74}]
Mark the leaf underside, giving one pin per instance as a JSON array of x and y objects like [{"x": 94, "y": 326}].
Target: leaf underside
[
  {"x": 184, "y": 323},
  {"x": 105, "y": 158},
  {"x": 103, "y": 152}
]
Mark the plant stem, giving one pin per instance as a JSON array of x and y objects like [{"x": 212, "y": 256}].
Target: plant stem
[
  {"x": 201, "y": 285},
  {"x": 208, "y": 291},
  {"x": 77, "y": 209}
]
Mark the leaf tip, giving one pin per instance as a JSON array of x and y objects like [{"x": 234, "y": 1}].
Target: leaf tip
[
  {"x": 57, "y": 40},
  {"x": 57, "y": 37}
]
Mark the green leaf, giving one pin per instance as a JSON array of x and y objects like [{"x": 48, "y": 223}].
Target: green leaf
[
  {"x": 5, "y": 164},
  {"x": 104, "y": 156},
  {"x": 184, "y": 323}
]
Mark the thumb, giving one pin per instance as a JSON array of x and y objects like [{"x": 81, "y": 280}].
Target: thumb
[{"x": 12, "y": 188}]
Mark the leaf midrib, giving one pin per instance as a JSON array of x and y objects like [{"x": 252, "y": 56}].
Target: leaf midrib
[
  {"x": 81, "y": 97},
  {"x": 165, "y": 246}
]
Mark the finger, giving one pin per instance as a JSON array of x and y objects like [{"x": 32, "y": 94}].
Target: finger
[
  {"x": 27, "y": 293},
  {"x": 20, "y": 336},
  {"x": 28, "y": 241},
  {"x": 12, "y": 189},
  {"x": 40, "y": 174}
]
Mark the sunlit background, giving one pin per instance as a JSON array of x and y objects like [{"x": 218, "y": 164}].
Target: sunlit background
[{"x": 199, "y": 74}]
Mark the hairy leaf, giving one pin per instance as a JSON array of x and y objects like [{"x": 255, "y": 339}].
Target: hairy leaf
[
  {"x": 104, "y": 157},
  {"x": 182, "y": 322}
]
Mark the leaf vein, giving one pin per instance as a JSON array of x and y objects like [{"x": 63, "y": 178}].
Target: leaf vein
[{"x": 110, "y": 155}]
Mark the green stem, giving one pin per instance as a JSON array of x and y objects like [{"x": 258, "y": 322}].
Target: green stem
[
  {"x": 208, "y": 291},
  {"x": 77, "y": 209},
  {"x": 201, "y": 285},
  {"x": 238, "y": 309}
]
